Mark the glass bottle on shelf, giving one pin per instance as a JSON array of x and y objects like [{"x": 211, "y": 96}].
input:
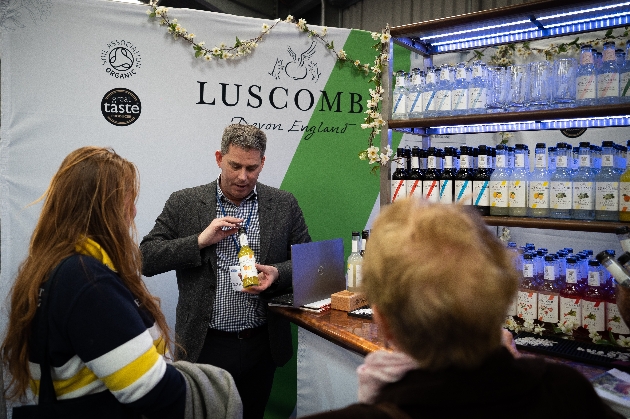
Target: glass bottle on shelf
[
  {"x": 608, "y": 77},
  {"x": 464, "y": 177},
  {"x": 552, "y": 156},
  {"x": 596, "y": 159},
  {"x": 431, "y": 181},
  {"x": 527, "y": 298},
  {"x": 460, "y": 90},
  {"x": 414, "y": 177},
  {"x": 447, "y": 184},
  {"x": 607, "y": 187},
  {"x": 571, "y": 294},
  {"x": 586, "y": 78},
  {"x": 481, "y": 181},
  {"x": 354, "y": 263},
  {"x": 399, "y": 104},
  {"x": 399, "y": 184},
  {"x": 478, "y": 88},
  {"x": 575, "y": 161},
  {"x": 549, "y": 293},
  {"x": 517, "y": 192},
  {"x": 584, "y": 186},
  {"x": 538, "y": 203},
  {"x": 428, "y": 94},
  {"x": 624, "y": 78},
  {"x": 594, "y": 300},
  {"x": 561, "y": 198},
  {"x": 444, "y": 95},
  {"x": 624, "y": 191},
  {"x": 499, "y": 183},
  {"x": 414, "y": 98}
]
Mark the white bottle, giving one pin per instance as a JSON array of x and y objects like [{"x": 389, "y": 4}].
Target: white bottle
[
  {"x": 414, "y": 98},
  {"x": 354, "y": 264},
  {"x": 399, "y": 105}
]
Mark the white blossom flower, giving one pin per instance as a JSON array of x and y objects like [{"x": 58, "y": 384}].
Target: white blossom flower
[
  {"x": 365, "y": 126},
  {"x": 375, "y": 35},
  {"x": 372, "y": 152},
  {"x": 388, "y": 151},
  {"x": 324, "y": 30},
  {"x": 302, "y": 24},
  {"x": 342, "y": 54},
  {"x": 149, "y": 11},
  {"x": 289, "y": 18},
  {"x": 265, "y": 27},
  {"x": 216, "y": 50},
  {"x": 384, "y": 158},
  {"x": 174, "y": 21},
  {"x": 201, "y": 44},
  {"x": 207, "y": 57},
  {"x": 225, "y": 55},
  {"x": 385, "y": 38},
  {"x": 357, "y": 63},
  {"x": 379, "y": 121},
  {"x": 623, "y": 341}
]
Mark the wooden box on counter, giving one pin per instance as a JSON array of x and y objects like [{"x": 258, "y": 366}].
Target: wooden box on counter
[{"x": 347, "y": 300}]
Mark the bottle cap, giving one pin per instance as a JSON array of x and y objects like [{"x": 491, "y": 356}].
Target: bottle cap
[{"x": 624, "y": 258}]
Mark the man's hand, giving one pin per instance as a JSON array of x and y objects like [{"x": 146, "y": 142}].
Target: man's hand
[
  {"x": 266, "y": 275},
  {"x": 218, "y": 229},
  {"x": 508, "y": 341}
]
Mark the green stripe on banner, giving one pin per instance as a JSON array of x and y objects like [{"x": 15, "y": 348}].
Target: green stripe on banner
[{"x": 334, "y": 188}]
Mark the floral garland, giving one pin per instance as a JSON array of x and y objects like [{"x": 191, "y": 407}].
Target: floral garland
[{"x": 374, "y": 120}]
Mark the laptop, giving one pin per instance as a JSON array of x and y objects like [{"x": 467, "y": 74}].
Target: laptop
[{"x": 318, "y": 272}]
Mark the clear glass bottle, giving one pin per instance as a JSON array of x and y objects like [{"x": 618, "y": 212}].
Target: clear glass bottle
[
  {"x": 594, "y": 300},
  {"x": 584, "y": 186},
  {"x": 354, "y": 263},
  {"x": 399, "y": 177},
  {"x": 586, "y": 78},
  {"x": 478, "y": 88},
  {"x": 431, "y": 181},
  {"x": 607, "y": 187},
  {"x": 399, "y": 101},
  {"x": 414, "y": 98},
  {"x": 561, "y": 198},
  {"x": 538, "y": 203},
  {"x": 624, "y": 79},
  {"x": 460, "y": 90},
  {"x": 608, "y": 77},
  {"x": 429, "y": 100},
  {"x": 447, "y": 185},
  {"x": 481, "y": 181},
  {"x": 527, "y": 299},
  {"x": 517, "y": 193},
  {"x": 571, "y": 294},
  {"x": 549, "y": 293},
  {"x": 552, "y": 156},
  {"x": 499, "y": 183},
  {"x": 444, "y": 95},
  {"x": 464, "y": 177},
  {"x": 624, "y": 191},
  {"x": 247, "y": 261}
]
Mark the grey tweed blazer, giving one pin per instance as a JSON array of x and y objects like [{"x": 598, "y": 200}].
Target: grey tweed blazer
[{"x": 172, "y": 244}]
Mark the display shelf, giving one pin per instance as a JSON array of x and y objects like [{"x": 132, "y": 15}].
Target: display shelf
[
  {"x": 580, "y": 117},
  {"x": 519, "y": 23},
  {"x": 555, "y": 224}
]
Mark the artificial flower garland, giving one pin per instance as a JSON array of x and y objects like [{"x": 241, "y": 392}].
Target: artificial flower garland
[{"x": 374, "y": 120}]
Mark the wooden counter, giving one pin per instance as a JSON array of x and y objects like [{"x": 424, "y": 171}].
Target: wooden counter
[{"x": 363, "y": 335}]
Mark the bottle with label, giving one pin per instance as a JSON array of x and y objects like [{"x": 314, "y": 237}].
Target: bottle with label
[
  {"x": 594, "y": 300},
  {"x": 354, "y": 263},
  {"x": 561, "y": 188},
  {"x": 499, "y": 183},
  {"x": 549, "y": 293},
  {"x": 478, "y": 88},
  {"x": 624, "y": 78},
  {"x": 464, "y": 177},
  {"x": 481, "y": 182},
  {"x": 608, "y": 77},
  {"x": 428, "y": 94},
  {"x": 517, "y": 191},
  {"x": 365, "y": 235},
  {"x": 414, "y": 176},
  {"x": 607, "y": 187},
  {"x": 399, "y": 104},
  {"x": 624, "y": 191},
  {"x": 460, "y": 90},
  {"x": 571, "y": 294},
  {"x": 444, "y": 95},
  {"x": 246, "y": 261},
  {"x": 447, "y": 185},
  {"x": 399, "y": 184},
  {"x": 538, "y": 203},
  {"x": 414, "y": 98},
  {"x": 584, "y": 186},
  {"x": 586, "y": 78},
  {"x": 596, "y": 159},
  {"x": 527, "y": 298},
  {"x": 431, "y": 181}
]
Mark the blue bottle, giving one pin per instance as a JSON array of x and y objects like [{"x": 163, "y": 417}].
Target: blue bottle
[
  {"x": 608, "y": 77},
  {"x": 607, "y": 187},
  {"x": 586, "y": 78}
]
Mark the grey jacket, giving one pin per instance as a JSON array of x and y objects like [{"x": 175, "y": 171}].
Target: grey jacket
[{"x": 172, "y": 244}]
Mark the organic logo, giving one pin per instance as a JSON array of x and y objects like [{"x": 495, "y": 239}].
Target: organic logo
[
  {"x": 121, "y": 107},
  {"x": 299, "y": 67},
  {"x": 121, "y": 59}
]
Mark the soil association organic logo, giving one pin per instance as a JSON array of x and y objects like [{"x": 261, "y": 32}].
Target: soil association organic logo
[
  {"x": 121, "y": 59},
  {"x": 121, "y": 107}
]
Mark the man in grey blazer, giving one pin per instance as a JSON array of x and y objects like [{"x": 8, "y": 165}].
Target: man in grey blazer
[{"x": 195, "y": 236}]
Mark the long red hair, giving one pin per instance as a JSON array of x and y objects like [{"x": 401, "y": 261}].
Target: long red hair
[{"x": 92, "y": 195}]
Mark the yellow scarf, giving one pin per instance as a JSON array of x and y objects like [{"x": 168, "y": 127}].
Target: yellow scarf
[{"x": 90, "y": 248}]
